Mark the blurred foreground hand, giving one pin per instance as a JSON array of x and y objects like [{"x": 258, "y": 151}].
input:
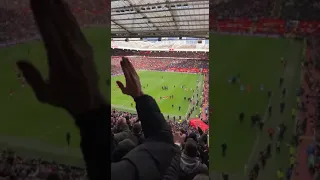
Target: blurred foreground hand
[{"x": 72, "y": 83}]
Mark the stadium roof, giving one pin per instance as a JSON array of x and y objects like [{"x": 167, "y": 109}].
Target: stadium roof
[{"x": 159, "y": 18}]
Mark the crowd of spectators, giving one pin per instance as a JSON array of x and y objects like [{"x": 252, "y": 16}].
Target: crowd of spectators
[
  {"x": 126, "y": 126},
  {"x": 158, "y": 64},
  {"x": 128, "y": 131},
  {"x": 300, "y": 10},
  {"x": 17, "y": 23},
  {"x": 180, "y": 54},
  {"x": 288, "y": 10},
  {"x": 16, "y": 167},
  {"x": 308, "y": 105},
  {"x": 242, "y": 9}
]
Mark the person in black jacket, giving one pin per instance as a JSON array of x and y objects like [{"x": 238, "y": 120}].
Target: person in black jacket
[
  {"x": 73, "y": 85},
  {"x": 190, "y": 165}
]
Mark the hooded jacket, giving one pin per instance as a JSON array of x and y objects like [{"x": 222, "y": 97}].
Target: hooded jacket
[{"x": 190, "y": 167}]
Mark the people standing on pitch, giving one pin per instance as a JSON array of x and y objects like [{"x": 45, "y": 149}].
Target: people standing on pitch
[
  {"x": 164, "y": 88},
  {"x": 224, "y": 149},
  {"x": 241, "y": 117},
  {"x": 11, "y": 93},
  {"x": 256, "y": 118},
  {"x": 282, "y": 106},
  {"x": 271, "y": 133},
  {"x": 281, "y": 81},
  {"x": 268, "y": 150},
  {"x": 253, "y": 120},
  {"x": 282, "y": 129},
  {"x": 283, "y": 92},
  {"x": 261, "y": 87},
  {"x": 238, "y": 78},
  {"x": 225, "y": 176},
  {"x": 261, "y": 125},
  {"x": 289, "y": 172},
  {"x": 280, "y": 174},
  {"x": 269, "y": 111},
  {"x": 68, "y": 138},
  {"x": 241, "y": 87},
  {"x": 292, "y": 160},
  {"x": 249, "y": 88},
  {"x": 278, "y": 146},
  {"x": 262, "y": 159},
  {"x": 234, "y": 80},
  {"x": 256, "y": 170}
]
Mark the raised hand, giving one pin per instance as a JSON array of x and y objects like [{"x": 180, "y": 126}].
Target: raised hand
[
  {"x": 133, "y": 85},
  {"x": 73, "y": 80}
]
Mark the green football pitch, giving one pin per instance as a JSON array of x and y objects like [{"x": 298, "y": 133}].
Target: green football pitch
[
  {"x": 180, "y": 85},
  {"x": 257, "y": 60},
  {"x": 31, "y": 127}
]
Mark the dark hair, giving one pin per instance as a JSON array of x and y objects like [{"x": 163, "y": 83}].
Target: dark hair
[
  {"x": 136, "y": 129},
  {"x": 191, "y": 148}
]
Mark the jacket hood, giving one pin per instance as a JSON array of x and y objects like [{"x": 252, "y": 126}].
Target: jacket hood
[{"x": 189, "y": 164}]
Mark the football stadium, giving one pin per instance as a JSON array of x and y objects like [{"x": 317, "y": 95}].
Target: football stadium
[{"x": 262, "y": 114}]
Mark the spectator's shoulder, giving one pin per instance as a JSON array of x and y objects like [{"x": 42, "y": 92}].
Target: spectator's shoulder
[{"x": 152, "y": 159}]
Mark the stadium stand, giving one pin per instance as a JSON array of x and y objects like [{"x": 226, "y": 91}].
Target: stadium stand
[
  {"x": 163, "y": 61},
  {"x": 13, "y": 166},
  {"x": 190, "y": 55},
  {"x": 246, "y": 8},
  {"x": 266, "y": 17},
  {"x": 17, "y": 23},
  {"x": 308, "y": 102},
  {"x": 300, "y": 10}
]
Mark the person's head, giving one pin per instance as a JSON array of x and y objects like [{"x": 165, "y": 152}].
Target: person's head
[
  {"x": 190, "y": 148},
  {"x": 122, "y": 124},
  {"x": 136, "y": 129},
  {"x": 193, "y": 136}
]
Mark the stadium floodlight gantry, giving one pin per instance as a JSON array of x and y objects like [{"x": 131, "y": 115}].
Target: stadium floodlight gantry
[{"x": 161, "y": 18}]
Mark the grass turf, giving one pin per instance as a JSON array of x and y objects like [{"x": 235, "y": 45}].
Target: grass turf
[
  {"x": 22, "y": 115},
  {"x": 257, "y": 59},
  {"x": 170, "y": 79}
]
